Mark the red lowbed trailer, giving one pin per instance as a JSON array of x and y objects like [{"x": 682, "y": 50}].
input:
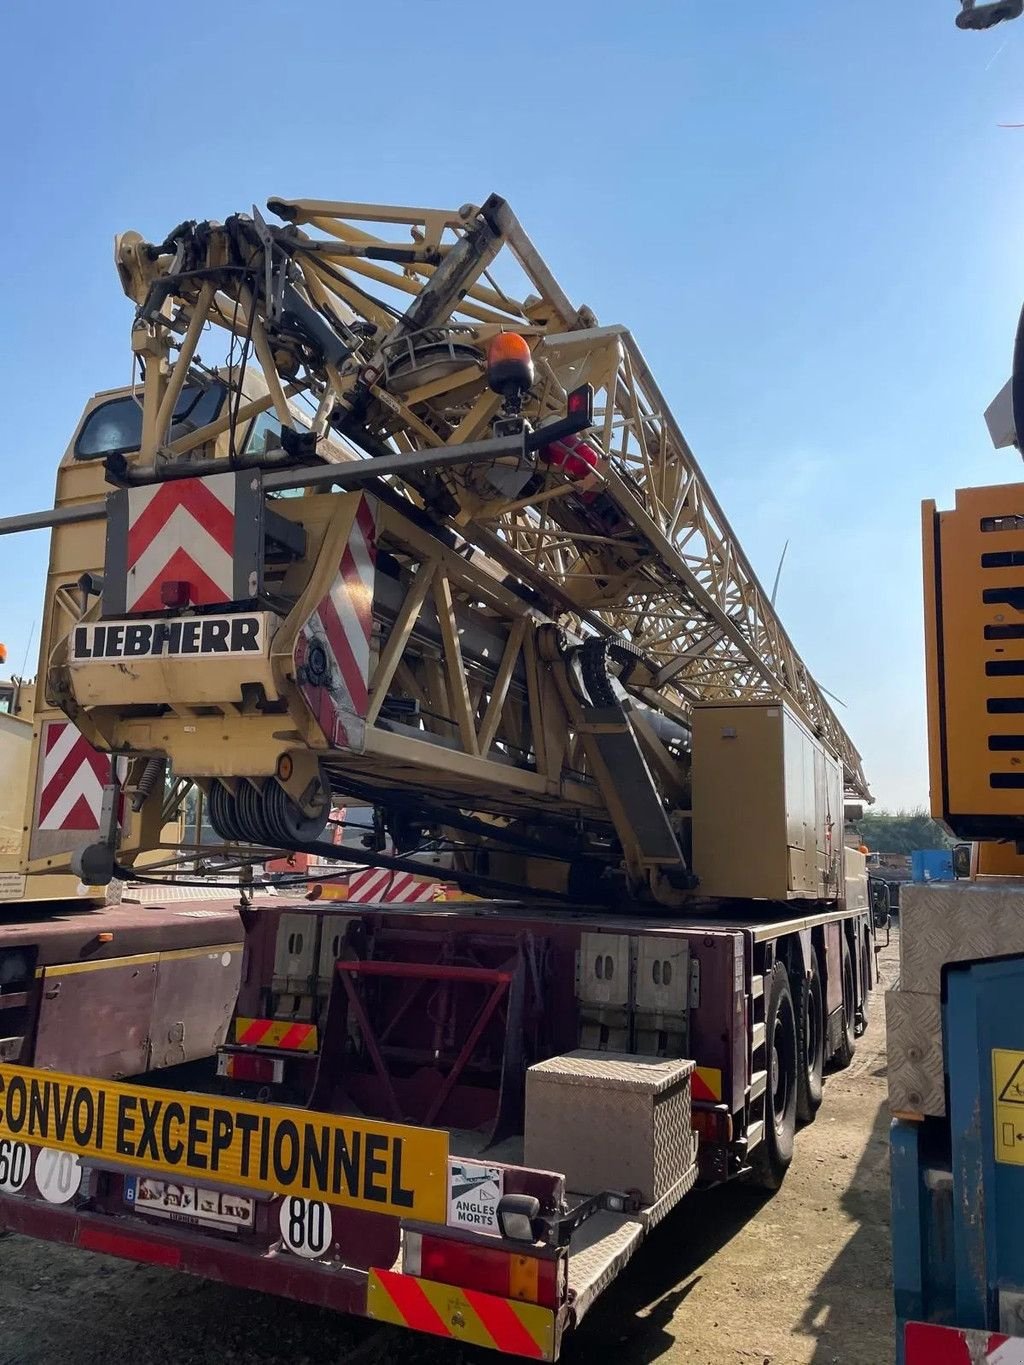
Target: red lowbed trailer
[{"x": 446, "y": 1205}]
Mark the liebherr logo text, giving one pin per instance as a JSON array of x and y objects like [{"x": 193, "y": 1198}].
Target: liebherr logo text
[
  {"x": 162, "y": 639},
  {"x": 385, "y": 1167}
]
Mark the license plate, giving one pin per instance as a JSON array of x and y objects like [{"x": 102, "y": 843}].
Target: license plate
[{"x": 189, "y": 1203}]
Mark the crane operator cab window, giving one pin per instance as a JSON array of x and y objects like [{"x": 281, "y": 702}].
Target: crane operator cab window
[
  {"x": 264, "y": 436},
  {"x": 115, "y": 427}
]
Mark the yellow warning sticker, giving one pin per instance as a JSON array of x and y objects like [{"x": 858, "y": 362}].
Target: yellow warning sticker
[{"x": 1008, "y": 1105}]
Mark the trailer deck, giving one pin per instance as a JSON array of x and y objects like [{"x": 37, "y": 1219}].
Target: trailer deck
[{"x": 587, "y": 1067}]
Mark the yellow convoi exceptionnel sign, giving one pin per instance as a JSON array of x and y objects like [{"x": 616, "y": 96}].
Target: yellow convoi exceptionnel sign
[{"x": 383, "y": 1167}]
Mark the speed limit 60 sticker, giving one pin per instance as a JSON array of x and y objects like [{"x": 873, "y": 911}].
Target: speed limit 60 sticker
[
  {"x": 15, "y": 1164},
  {"x": 58, "y": 1174}
]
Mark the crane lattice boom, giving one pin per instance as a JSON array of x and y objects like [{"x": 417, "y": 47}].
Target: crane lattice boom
[{"x": 386, "y": 339}]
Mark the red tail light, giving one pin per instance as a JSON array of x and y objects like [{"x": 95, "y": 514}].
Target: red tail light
[
  {"x": 580, "y": 403},
  {"x": 520, "y": 1274},
  {"x": 243, "y": 1066},
  {"x": 175, "y": 592},
  {"x": 713, "y": 1125}
]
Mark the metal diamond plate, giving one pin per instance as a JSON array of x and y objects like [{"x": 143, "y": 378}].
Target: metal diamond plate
[
  {"x": 956, "y": 922},
  {"x": 598, "y": 1251},
  {"x": 654, "y": 1213},
  {"x": 616, "y": 1070},
  {"x": 611, "y": 1122},
  {"x": 914, "y": 1032}
]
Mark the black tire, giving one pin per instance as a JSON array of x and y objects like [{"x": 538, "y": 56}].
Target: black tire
[
  {"x": 811, "y": 1025},
  {"x": 772, "y": 1157},
  {"x": 847, "y": 1039},
  {"x": 881, "y": 903},
  {"x": 865, "y": 974}
]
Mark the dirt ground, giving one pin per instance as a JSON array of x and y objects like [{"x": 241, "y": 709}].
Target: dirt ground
[{"x": 730, "y": 1279}]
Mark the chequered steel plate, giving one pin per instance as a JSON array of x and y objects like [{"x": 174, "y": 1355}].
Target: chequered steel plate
[
  {"x": 914, "y": 1033},
  {"x": 616, "y": 1071},
  {"x": 956, "y": 922}
]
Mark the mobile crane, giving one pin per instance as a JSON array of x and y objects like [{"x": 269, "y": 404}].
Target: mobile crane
[{"x": 427, "y": 540}]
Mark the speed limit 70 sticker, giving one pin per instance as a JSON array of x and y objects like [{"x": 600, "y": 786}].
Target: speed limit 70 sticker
[{"x": 58, "y": 1175}]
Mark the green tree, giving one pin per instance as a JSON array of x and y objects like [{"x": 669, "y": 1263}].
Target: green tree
[{"x": 901, "y": 831}]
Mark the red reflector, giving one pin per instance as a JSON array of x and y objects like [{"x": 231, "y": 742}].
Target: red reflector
[
  {"x": 122, "y": 1244},
  {"x": 506, "y": 1274},
  {"x": 241, "y": 1067},
  {"x": 175, "y": 592}
]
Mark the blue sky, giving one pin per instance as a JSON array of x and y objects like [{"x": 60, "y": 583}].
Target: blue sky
[{"x": 807, "y": 213}]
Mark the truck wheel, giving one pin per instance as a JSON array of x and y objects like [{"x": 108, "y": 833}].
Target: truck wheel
[
  {"x": 771, "y": 1159},
  {"x": 847, "y": 1036},
  {"x": 811, "y": 1024},
  {"x": 865, "y": 973}
]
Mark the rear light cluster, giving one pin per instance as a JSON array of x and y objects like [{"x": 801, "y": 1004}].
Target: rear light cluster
[
  {"x": 713, "y": 1125},
  {"x": 537, "y": 1275},
  {"x": 244, "y": 1066}
]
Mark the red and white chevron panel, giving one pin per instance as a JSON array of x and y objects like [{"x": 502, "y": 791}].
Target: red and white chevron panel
[
  {"x": 926, "y": 1343},
  {"x": 342, "y": 625},
  {"x": 379, "y": 884},
  {"x": 73, "y": 777},
  {"x": 183, "y": 531}
]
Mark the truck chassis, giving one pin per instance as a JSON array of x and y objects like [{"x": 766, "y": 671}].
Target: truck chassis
[{"x": 423, "y": 1020}]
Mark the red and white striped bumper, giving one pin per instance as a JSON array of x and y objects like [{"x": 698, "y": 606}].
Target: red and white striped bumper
[{"x": 926, "y": 1344}]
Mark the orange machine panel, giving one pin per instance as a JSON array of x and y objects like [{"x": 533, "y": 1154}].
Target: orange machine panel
[{"x": 974, "y": 635}]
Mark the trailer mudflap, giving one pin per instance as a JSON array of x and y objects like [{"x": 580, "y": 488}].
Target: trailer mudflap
[{"x": 444, "y": 1310}]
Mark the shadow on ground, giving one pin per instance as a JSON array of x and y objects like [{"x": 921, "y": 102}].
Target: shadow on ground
[
  {"x": 854, "y": 1295},
  {"x": 634, "y": 1320}
]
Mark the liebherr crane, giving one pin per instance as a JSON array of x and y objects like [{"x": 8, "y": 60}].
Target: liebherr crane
[
  {"x": 414, "y": 534},
  {"x": 496, "y": 633}
]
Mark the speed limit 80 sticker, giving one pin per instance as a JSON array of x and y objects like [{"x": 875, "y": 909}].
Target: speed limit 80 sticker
[{"x": 306, "y": 1227}]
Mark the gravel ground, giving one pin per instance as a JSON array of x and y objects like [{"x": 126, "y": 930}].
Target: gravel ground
[{"x": 730, "y": 1279}]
